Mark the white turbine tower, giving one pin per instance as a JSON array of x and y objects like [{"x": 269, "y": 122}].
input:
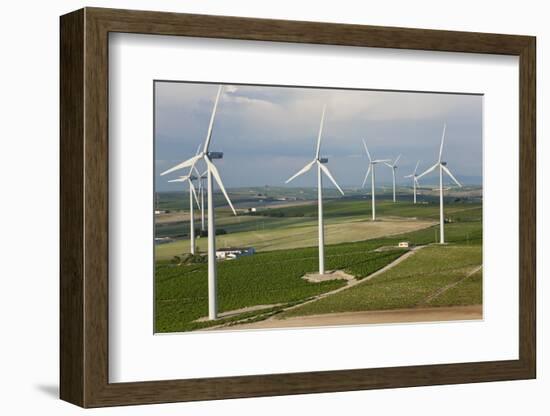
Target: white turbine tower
[
  {"x": 212, "y": 173},
  {"x": 442, "y": 168},
  {"x": 393, "y": 167},
  {"x": 201, "y": 196},
  {"x": 415, "y": 180},
  {"x": 371, "y": 171},
  {"x": 321, "y": 168},
  {"x": 192, "y": 195}
]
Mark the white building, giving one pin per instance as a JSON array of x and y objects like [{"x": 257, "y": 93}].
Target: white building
[
  {"x": 231, "y": 253},
  {"x": 163, "y": 240},
  {"x": 403, "y": 244}
]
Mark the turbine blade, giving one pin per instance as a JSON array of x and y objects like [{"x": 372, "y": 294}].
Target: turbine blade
[
  {"x": 211, "y": 124},
  {"x": 396, "y": 160},
  {"x": 448, "y": 172},
  {"x": 388, "y": 164},
  {"x": 416, "y": 181},
  {"x": 196, "y": 173},
  {"x": 416, "y": 168},
  {"x": 301, "y": 171},
  {"x": 327, "y": 172},
  {"x": 428, "y": 171},
  {"x": 442, "y": 141},
  {"x": 194, "y": 194},
  {"x": 193, "y": 166},
  {"x": 367, "y": 150},
  {"x": 320, "y": 133},
  {"x": 200, "y": 184},
  {"x": 366, "y": 176},
  {"x": 382, "y": 161},
  {"x": 180, "y": 179},
  {"x": 218, "y": 179},
  {"x": 408, "y": 176},
  {"x": 188, "y": 162}
]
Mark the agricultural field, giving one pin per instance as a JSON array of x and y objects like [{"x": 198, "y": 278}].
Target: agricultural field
[
  {"x": 270, "y": 285},
  {"x": 295, "y": 226},
  {"x": 292, "y": 233},
  {"x": 466, "y": 291},
  {"x": 271, "y": 278},
  {"x": 265, "y": 285},
  {"x": 418, "y": 281}
]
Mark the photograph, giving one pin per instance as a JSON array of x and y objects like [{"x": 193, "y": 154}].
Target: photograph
[
  {"x": 270, "y": 204},
  {"x": 280, "y": 206}
]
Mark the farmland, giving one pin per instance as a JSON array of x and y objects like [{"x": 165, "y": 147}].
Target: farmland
[
  {"x": 264, "y": 279},
  {"x": 412, "y": 283},
  {"x": 269, "y": 285},
  {"x": 294, "y": 226},
  {"x": 295, "y": 234}
]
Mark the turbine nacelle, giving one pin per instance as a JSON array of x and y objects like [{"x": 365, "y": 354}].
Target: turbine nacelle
[
  {"x": 394, "y": 164},
  {"x": 414, "y": 175},
  {"x": 189, "y": 179},
  {"x": 323, "y": 160},
  {"x": 215, "y": 155}
]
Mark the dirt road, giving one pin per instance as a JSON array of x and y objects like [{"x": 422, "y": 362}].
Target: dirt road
[{"x": 452, "y": 313}]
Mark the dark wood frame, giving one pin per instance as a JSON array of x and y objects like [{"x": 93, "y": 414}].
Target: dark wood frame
[{"x": 84, "y": 208}]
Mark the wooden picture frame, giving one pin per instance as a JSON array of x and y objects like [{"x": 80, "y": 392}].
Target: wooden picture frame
[{"x": 84, "y": 207}]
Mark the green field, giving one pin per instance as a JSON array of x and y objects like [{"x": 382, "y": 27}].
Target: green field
[
  {"x": 263, "y": 279},
  {"x": 286, "y": 238},
  {"x": 410, "y": 284},
  {"x": 361, "y": 207},
  {"x": 297, "y": 235},
  {"x": 467, "y": 292},
  {"x": 292, "y": 227},
  {"x": 275, "y": 277}
]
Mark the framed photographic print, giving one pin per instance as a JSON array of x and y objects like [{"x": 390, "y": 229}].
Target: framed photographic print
[{"x": 259, "y": 207}]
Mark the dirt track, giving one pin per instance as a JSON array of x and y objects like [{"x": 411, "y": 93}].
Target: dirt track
[{"x": 452, "y": 313}]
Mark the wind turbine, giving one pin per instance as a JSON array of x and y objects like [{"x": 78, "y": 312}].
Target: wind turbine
[
  {"x": 370, "y": 170},
  {"x": 192, "y": 195},
  {"x": 415, "y": 180},
  {"x": 393, "y": 167},
  {"x": 321, "y": 168},
  {"x": 212, "y": 173},
  {"x": 442, "y": 168}
]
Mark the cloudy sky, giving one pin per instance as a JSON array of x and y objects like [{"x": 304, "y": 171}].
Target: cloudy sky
[{"x": 268, "y": 133}]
